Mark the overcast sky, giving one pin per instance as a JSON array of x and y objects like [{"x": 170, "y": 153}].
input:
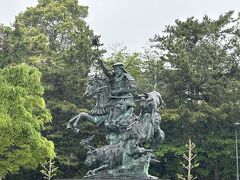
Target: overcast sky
[{"x": 131, "y": 22}]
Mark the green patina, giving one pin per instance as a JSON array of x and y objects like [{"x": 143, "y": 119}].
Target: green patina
[{"x": 126, "y": 133}]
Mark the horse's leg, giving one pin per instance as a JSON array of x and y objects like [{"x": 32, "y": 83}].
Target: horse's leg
[
  {"x": 161, "y": 134},
  {"x": 71, "y": 121},
  {"x": 80, "y": 117},
  {"x": 94, "y": 171},
  {"x": 159, "y": 137}
]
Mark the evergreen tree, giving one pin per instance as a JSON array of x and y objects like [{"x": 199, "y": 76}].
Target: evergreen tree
[
  {"x": 201, "y": 89},
  {"x": 54, "y": 37}
]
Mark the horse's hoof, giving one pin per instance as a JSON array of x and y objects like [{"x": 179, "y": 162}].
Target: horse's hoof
[
  {"x": 68, "y": 126},
  {"x": 76, "y": 130}
]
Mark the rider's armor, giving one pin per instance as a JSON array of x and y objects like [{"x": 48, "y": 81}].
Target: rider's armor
[{"x": 123, "y": 90}]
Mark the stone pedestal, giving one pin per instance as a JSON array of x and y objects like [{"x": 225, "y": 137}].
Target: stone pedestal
[{"x": 121, "y": 177}]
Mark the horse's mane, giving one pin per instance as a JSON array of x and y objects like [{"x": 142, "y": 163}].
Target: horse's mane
[{"x": 102, "y": 106}]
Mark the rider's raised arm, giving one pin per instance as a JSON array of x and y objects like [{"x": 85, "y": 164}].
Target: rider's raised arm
[{"x": 106, "y": 71}]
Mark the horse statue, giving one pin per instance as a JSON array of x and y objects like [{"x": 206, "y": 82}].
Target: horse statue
[
  {"x": 150, "y": 104},
  {"x": 126, "y": 133},
  {"x": 98, "y": 89},
  {"x": 145, "y": 129}
]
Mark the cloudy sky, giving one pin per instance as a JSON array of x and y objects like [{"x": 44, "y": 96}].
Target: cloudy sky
[{"x": 131, "y": 23}]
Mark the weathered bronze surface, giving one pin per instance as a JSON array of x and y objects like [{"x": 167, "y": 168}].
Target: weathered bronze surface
[{"x": 125, "y": 156}]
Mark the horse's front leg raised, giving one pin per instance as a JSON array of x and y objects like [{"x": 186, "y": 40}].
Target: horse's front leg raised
[
  {"x": 71, "y": 121},
  {"x": 80, "y": 117}
]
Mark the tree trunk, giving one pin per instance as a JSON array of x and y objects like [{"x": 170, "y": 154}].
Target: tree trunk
[{"x": 216, "y": 172}]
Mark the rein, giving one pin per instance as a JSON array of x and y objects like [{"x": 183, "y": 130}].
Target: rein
[{"x": 103, "y": 87}]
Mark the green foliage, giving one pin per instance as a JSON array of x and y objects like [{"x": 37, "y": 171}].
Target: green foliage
[
  {"x": 9, "y": 46},
  {"x": 200, "y": 85},
  {"x": 54, "y": 26},
  {"x": 23, "y": 114},
  {"x": 169, "y": 155},
  {"x": 196, "y": 64},
  {"x": 54, "y": 37}
]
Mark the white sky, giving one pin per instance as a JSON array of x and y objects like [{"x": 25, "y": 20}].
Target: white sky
[{"x": 131, "y": 22}]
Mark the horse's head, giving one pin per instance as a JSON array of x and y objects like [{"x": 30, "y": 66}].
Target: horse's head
[
  {"x": 95, "y": 85},
  {"x": 91, "y": 87}
]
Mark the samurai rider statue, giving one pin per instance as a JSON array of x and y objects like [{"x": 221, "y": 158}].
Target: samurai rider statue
[
  {"x": 123, "y": 91},
  {"x": 131, "y": 138}
]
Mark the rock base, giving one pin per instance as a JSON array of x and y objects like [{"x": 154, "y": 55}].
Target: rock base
[
  {"x": 123, "y": 177},
  {"x": 120, "y": 177}
]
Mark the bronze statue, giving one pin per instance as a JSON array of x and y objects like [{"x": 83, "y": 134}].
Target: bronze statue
[{"x": 127, "y": 133}]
